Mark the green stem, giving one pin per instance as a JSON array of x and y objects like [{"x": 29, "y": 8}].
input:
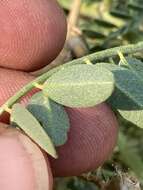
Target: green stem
[
  {"x": 101, "y": 55},
  {"x": 127, "y": 49},
  {"x": 23, "y": 91}
]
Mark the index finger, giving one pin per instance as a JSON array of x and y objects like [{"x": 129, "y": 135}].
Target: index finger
[{"x": 32, "y": 32}]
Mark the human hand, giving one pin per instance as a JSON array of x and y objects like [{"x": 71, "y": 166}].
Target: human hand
[{"x": 32, "y": 32}]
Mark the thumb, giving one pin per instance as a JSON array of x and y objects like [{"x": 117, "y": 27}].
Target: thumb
[{"x": 22, "y": 164}]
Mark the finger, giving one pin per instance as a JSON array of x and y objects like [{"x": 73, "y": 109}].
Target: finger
[
  {"x": 10, "y": 82},
  {"x": 22, "y": 164},
  {"x": 32, "y": 32},
  {"x": 91, "y": 140},
  {"x": 92, "y": 135}
]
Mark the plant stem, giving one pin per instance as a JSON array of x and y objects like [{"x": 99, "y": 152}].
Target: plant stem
[
  {"x": 101, "y": 55},
  {"x": 127, "y": 49},
  {"x": 23, "y": 91}
]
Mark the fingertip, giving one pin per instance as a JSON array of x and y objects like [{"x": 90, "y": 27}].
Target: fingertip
[
  {"x": 23, "y": 165},
  {"x": 91, "y": 140},
  {"x": 32, "y": 33}
]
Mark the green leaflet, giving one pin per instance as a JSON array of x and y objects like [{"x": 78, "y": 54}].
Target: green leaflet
[
  {"x": 134, "y": 116},
  {"x": 109, "y": 66},
  {"x": 136, "y": 66},
  {"x": 52, "y": 117},
  {"x": 28, "y": 123},
  {"x": 127, "y": 97},
  {"x": 128, "y": 92},
  {"x": 80, "y": 86}
]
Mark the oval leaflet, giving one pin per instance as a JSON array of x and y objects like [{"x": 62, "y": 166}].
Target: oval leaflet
[
  {"x": 28, "y": 123},
  {"x": 80, "y": 86}
]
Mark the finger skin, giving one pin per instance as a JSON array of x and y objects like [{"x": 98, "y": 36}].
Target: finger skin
[
  {"x": 32, "y": 33},
  {"x": 22, "y": 164},
  {"x": 92, "y": 136},
  {"x": 11, "y": 81},
  {"x": 91, "y": 140}
]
